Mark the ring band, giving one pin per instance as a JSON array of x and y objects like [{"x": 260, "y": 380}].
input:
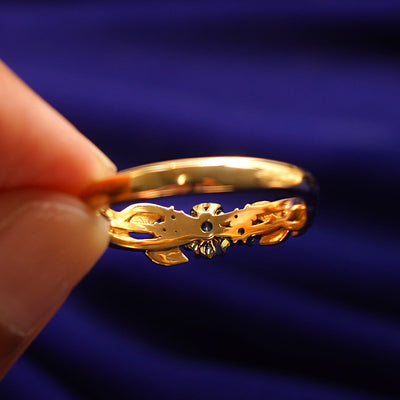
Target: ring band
[{"x": 207, "y": 230}]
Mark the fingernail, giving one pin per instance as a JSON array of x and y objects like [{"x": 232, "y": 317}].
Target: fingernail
[{"x": 106, "y": 166}]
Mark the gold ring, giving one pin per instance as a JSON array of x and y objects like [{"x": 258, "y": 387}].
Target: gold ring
[{"x": 207, "y": 230}]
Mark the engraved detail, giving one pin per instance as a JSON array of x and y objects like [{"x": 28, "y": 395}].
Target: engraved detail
[{"x": 207, "y": 231}]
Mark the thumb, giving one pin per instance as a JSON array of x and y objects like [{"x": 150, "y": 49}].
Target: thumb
[{"x": 48, "y": 242}]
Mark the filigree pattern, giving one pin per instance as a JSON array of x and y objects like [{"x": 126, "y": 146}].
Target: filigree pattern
[{"x": 207, "y": 231}]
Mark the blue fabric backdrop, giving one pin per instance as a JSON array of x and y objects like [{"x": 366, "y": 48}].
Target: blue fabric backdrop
[{"x": 312, "y": 83}]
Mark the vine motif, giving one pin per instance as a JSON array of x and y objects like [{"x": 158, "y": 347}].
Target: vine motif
[{"x": 207, "y": 230}]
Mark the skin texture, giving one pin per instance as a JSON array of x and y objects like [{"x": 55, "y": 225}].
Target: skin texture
[{"x": 49, "y": 239}]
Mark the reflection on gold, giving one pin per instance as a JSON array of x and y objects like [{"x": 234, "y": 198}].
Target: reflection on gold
[{"x": 181, "y": 180}]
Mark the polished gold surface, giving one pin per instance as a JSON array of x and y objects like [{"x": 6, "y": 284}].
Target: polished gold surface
[
  {"x": 194, "y": 175},
  {"x": 207, "y": 230}
]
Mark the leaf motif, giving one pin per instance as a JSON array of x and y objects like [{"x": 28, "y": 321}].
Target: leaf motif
[
  {"x": 144, "y": 219},
  {"x": 274, "y": 237},
  {"x": 167, "y": 257}
]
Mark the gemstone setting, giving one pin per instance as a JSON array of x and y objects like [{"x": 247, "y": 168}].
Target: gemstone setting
[{"x": 206, "y": 226}]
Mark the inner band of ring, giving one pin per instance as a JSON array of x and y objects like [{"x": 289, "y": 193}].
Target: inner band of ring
[{"x": 201, "y": 175}]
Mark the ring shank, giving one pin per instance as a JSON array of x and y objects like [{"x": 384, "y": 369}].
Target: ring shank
[{"x": 199, "y": 175}]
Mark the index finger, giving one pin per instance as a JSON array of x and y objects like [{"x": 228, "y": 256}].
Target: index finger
[{"x": 39, "y": 148}]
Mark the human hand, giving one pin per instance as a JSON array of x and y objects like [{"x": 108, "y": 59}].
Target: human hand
[{"x": 49, "y": 239}]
